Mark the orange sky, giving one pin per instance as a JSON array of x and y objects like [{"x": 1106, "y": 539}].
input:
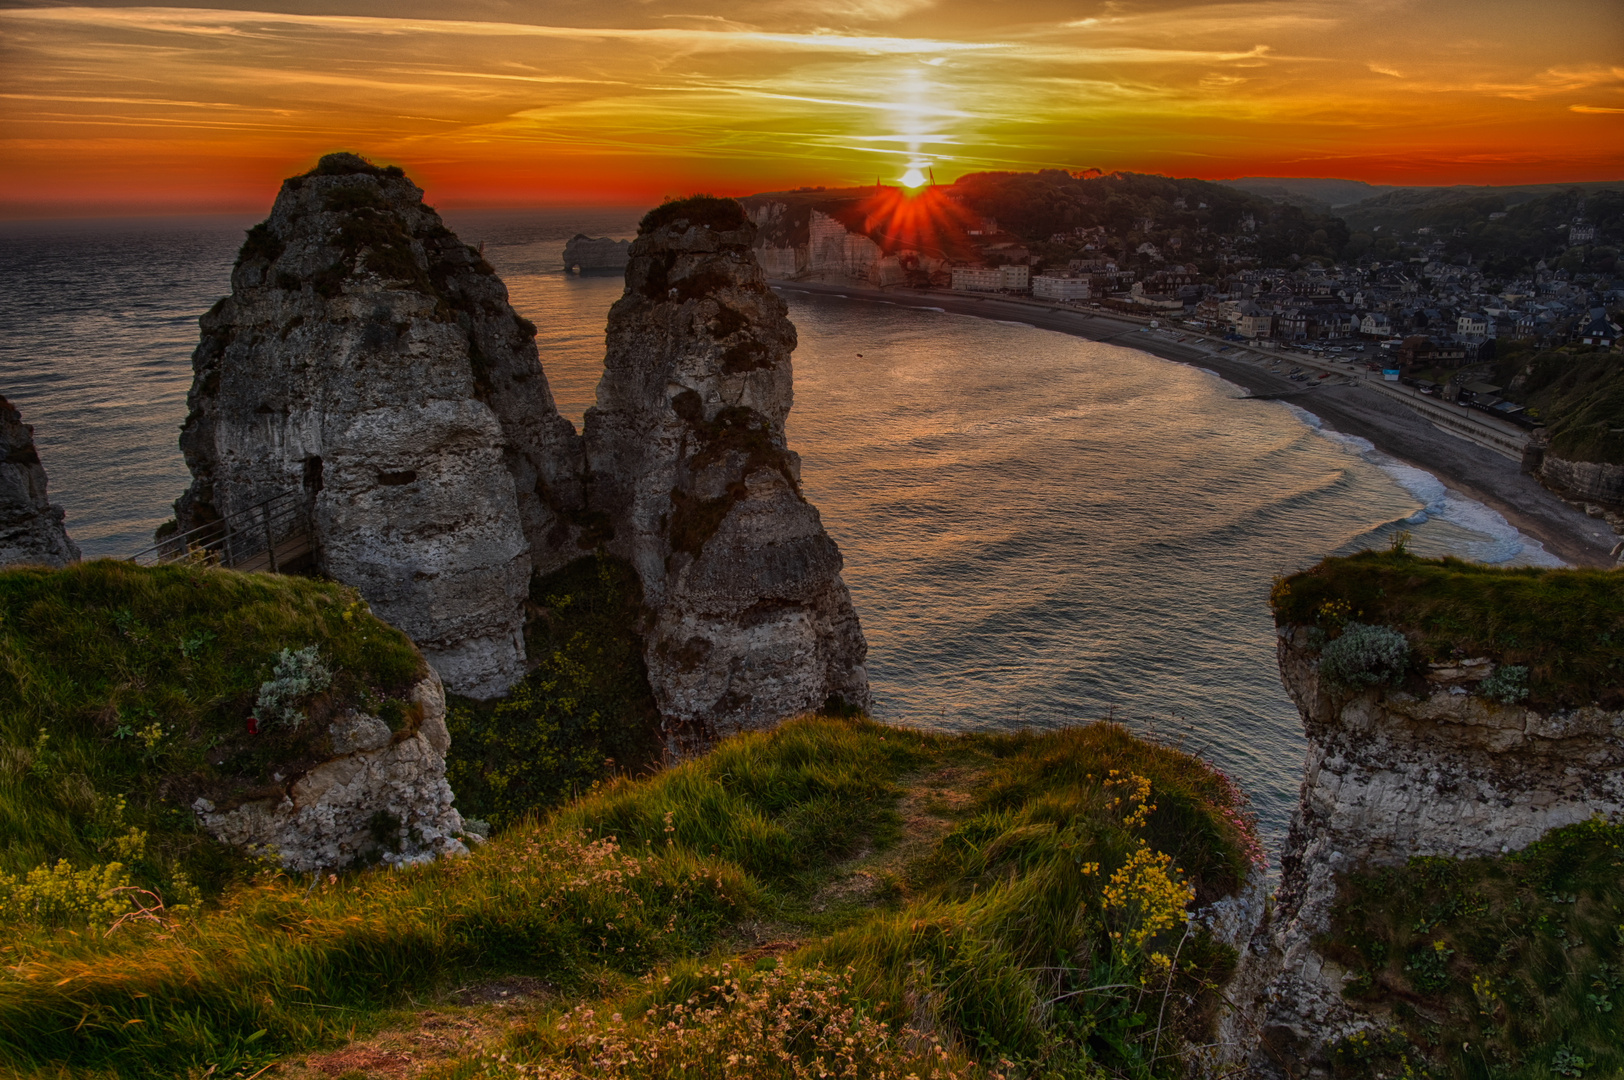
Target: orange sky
[{"x": 509, "y": 102}]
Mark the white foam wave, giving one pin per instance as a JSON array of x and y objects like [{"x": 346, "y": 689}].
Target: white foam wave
[{"x": 1502, "y": 541}]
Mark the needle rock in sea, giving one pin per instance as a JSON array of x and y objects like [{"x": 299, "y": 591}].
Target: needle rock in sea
[
  {"x": 31, "y": 530},
  {"x": 369, "y": 361},
  {"x": 689, "y": 463}
]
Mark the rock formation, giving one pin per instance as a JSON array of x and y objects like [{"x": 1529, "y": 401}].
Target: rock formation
[
  {"x": 690, "y": 467},
  {"x": 368, "y": 358},
  {"x": 330, "y": 817},
  {"x": 589, "y": 253},
  {"x": 31, "y": 530},
  {"x": 1588, "y": 481},
  {"x": 1390, "y": 775}
]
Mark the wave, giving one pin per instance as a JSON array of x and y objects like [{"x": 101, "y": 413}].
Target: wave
[{"x": 1502, "y": 541}]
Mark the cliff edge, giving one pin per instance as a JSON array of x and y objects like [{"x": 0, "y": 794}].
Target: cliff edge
[{"x": 1452, "y": 711}]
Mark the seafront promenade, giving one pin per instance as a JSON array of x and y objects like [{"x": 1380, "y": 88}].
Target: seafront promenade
[{"x": 1467, "y": 450}]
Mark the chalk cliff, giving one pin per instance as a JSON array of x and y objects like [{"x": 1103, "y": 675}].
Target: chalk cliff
[
  {"x": 1397, "y": 773},
  {"x": 31, "y": 530},
  {"x": 690, "y": 466},
  {"x": 370, "y": 360}
]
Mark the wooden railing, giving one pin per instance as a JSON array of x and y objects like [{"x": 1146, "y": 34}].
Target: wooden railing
[{"x": 272, "y": 535}]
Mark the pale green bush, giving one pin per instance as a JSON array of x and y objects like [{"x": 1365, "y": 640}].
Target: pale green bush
[
  {"x": 1508, "y": 684},
  {"x": 298, "y": 675},
  {"x": 1365, "y": 656}
]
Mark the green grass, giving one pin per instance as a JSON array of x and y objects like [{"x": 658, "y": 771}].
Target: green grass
[
  {"x": 583, "y": 713},
  {"x": 991, "y": 933},
  {"x": 125, "y": 693},
  {"x": 1577, "y": 391},
  {"x": 1510, "y": 967},
  {"x": 1565, "y": 626}
]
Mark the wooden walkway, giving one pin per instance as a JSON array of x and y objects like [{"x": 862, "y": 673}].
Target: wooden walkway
[{"x": 273, "y": 535}]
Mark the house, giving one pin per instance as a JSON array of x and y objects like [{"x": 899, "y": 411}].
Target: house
[
  {"x": 1052, "y": 286},
  {"x": 991, "y": 278},
  {"x": 1423, "y": 351},
  {"x": 1599, "y": 331},
  {"x": 1376, "y": 324},
  {"x": 1472, "y": 324},
  {"x": 1293, "y": 325},
  {"x": 1255, "y": 322}
]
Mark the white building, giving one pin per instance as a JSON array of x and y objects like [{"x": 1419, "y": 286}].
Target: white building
[
  {"x": 992, "y": 278},
  {"x": 1060, "y": 287}
]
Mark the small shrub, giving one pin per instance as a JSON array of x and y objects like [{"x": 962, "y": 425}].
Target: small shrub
[
  {"x": 298, "y": 675},
  {"x": 61, "y": 895},
  {"x": 262, "y": 243},
  {"x": 1365, "y": 656},
  {"x": 1508, "y": 684}
]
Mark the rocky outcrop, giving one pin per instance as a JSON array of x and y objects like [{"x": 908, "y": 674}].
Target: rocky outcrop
[
  {"x": 369, "y": 359},
  {"x": 31, "y": 530},
  {"x": 1590, "y": 481},
  {"x": 690, "y": 467},
  {"x": 380, "y": 798},
  {"x": 1393, "y": 774},
  {"x": 594, "y": 253}
]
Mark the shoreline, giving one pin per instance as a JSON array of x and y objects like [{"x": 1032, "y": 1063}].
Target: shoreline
[{"x": 1393, "y": 429}]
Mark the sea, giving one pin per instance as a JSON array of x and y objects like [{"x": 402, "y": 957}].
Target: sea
[{"x": 1038, "y": 530}]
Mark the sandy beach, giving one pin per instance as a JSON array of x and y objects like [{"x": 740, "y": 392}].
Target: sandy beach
[{"x": 1394, "y": 429}]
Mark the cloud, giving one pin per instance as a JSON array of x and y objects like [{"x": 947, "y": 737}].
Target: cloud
[
  {"x": 214, "y": 22},
  {"x": 1593, "y": 109},
  {"x": 1382, "y": 70}
]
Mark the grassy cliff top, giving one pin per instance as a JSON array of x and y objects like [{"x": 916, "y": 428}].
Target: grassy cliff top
[
  {"x": 126, "y": 692},
  {"x": 834, "y": 897},
  {"x": 1565, "y": 626},
  {"x": 1507, "y": 967}
]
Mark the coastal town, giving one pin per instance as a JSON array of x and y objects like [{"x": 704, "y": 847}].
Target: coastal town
[{"x": 1484, "y": 320}]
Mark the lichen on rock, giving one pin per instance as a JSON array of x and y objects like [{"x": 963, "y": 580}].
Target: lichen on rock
[
  {"x": 31, "y": 529},
  {"x": 378, "y": 799}
]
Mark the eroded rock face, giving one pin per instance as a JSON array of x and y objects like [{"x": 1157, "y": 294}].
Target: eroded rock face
[
  {"x": 380, "y": 799},
  {"x": 1592, "y": 481},
  {"x": 31, "y": 530},
  {"x": 691, "y": 471},
  {"x": 1392, "y": 775},
  {"x": 370, "y": 360}
]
